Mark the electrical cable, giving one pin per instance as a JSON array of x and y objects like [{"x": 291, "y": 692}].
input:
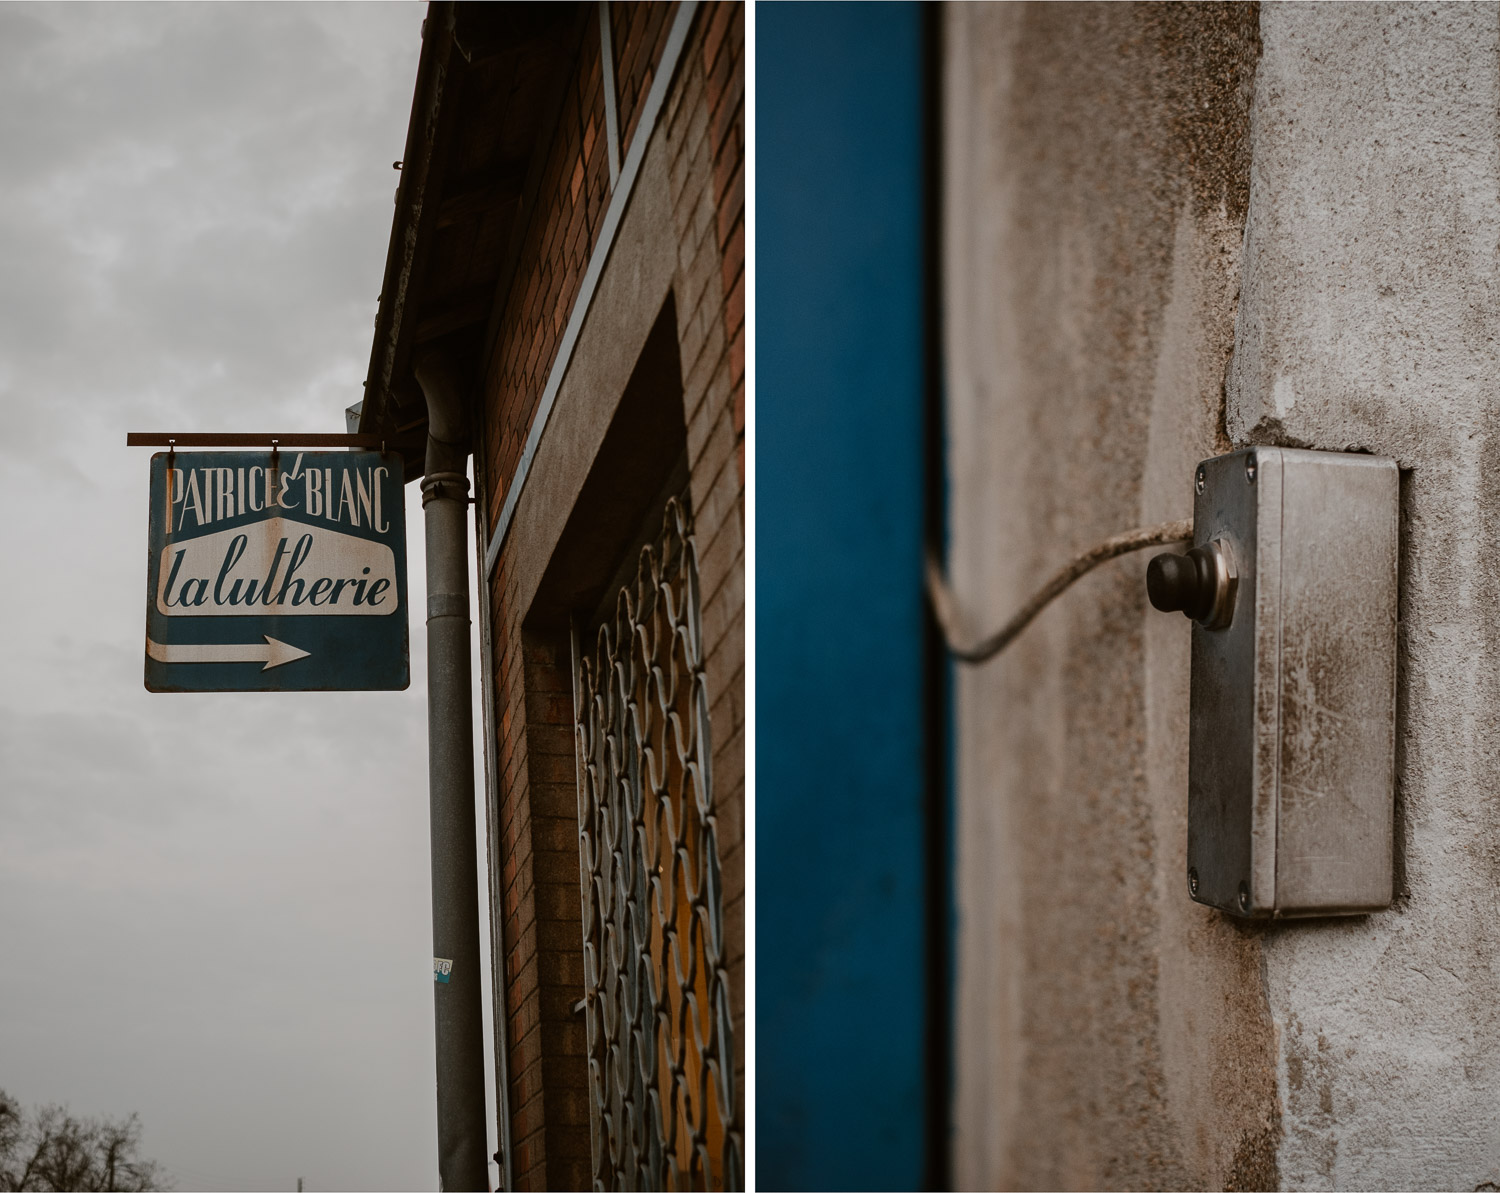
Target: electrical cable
[{"x": 945, "y": 605}]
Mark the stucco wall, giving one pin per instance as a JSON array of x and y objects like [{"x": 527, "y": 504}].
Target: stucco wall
[
  {"x": 1109, "y": 1032},
  {"x": 1368, "y": 320},
  {"x": 1170, "y": 231}
]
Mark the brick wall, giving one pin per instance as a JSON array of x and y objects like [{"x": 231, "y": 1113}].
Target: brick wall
[
  {"x": 549, "y": 1107},
  {"x": 559, "y": 240},
  {"x": 537, "y": 819},
  {"x": 639, "y": 32},
  {"x": 534, "y": 834},
  {"x": 705, "y": 137},
  {"x": 724, "y": 81}
]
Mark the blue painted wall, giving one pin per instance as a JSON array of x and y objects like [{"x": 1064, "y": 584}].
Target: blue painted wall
[{"x": 841, "y": 1003}]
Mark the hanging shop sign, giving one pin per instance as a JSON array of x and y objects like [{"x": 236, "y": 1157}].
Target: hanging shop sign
[{"x": 280, "y": 571}]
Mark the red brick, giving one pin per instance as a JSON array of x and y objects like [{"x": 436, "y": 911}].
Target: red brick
[
  {"x": 718, "y": 26},
  {"x": 737, "y": 374},
  {"x": 734, "y": 254},
  {"x": 730, "y": 196},
  {"x": 734, "y": 304}
]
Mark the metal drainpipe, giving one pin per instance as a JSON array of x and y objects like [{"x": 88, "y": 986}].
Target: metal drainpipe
[{"x": 462, "y": 1130}]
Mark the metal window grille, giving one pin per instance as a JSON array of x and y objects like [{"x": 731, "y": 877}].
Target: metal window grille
[{"x": 660, "y": 1036}]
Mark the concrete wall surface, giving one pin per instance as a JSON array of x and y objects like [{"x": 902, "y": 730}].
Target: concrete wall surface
[{"x": 1171, "y": 231}]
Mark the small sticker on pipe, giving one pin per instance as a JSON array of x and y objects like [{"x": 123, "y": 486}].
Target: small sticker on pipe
[{"x": 441, "y": 968}]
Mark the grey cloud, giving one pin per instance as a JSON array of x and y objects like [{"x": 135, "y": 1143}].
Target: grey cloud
[
  {"x": 215, "y": 907},
  {"x": 175, "y": 213}
]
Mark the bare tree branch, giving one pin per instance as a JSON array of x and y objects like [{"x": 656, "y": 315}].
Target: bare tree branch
[{"x": 51, "y": 1150}]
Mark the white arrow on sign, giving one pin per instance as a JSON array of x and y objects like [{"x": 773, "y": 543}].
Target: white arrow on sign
[{"x": 272, "y": 654}]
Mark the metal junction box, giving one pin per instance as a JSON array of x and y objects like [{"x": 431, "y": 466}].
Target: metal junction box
[{"x": 1292, "y": 741}]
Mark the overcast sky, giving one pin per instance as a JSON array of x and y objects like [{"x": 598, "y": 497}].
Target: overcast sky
[{"x": 214, "y": 909}]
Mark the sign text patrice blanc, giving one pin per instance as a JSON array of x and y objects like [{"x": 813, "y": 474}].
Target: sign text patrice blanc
[{"x": 281, "y": 565}]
